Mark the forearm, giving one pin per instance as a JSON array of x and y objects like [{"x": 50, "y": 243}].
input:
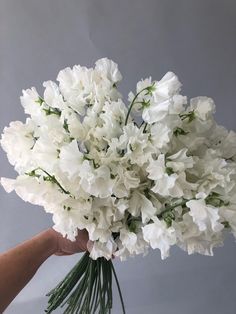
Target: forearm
[{"x": 18, "y": 265}]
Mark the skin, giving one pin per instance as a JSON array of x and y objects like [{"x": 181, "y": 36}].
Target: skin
[{"x": 19, "y": 265}]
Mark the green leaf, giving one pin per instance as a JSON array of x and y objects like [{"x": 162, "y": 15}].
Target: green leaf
[
  {"x": 66, "y": 126},
  {"x": 39, "y": 101},
  {"x": 169, "y": 171},
  {"x": 179, "y": 131},
  {"x": 190, "y": 116},
  {"x": 49, "y": 111},
  {"x": 226, "y": 224},
  {"x": 33, "y": 174}
]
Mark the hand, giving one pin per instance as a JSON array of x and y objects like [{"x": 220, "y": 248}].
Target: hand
[{"x": 63, "y": 246}]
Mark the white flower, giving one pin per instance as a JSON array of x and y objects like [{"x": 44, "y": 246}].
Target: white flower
[
  {"x": 168, "y": 86},
  {"x": 133, "y": 243},
  {"x": 136, "y": 144},
  {"x": 180, "y": 161},
  {"x": 165, "y": 99},
  {"x": 141, "y": 206},
  {"x": 113, "y": 118},
  {"x": 45, "y": 153},
  {"x": 204, "y": 216},
  {"x": 70, "y": 159},
  {"x": 67, "y": 222},
  {"x": 157, "y": 172},
  {"x": 192, "y": 240},
  {"x": 109, "y": 69},
  {"x": 160, "y": 135},
  {"x": 159, "y": 236},
  {"x": 203, "y": 107},
  {"x": 52, "y": 95},
  {"x": 124, "y": 181},
  {"x": 156, "y": 111},
  {"x": 30, "y": 100},
  {"x": 96, "y": 182},
  {"x": 17, "y": 141},
  {"x": 144, "y": 83},
  {"x": 103, "y": 249},
  {"x": 32, "y": 190},
  {"x": 75, "y": 128},
  {"x": 76, "y": 86},
  {"x": 213, "y": 172},
  {"x": 227, "y": 146},
  {"x": 53, "y": 130},
  {"x": 228, "y": 214}
]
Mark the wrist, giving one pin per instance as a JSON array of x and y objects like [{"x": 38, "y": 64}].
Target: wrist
[{"x": 52, "y": 239}]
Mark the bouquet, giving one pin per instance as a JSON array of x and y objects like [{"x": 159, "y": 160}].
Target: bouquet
[{"x": 156, "y": 173}]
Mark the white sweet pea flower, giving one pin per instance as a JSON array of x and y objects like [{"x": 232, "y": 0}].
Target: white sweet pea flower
[
  {"x": 157, "y": 172},
  {"x": 120, "y": 206},
  {"x": 52, "y": 95},
  {"x": 103, "y": 249},
  {"x": 124, "y": 181},
  {"x": 144, "y": 83},
  {"x": 227, "y": 146},
  {"x": 140, "y": 205},
  {"x": 160, "y": 135},
  {"x": 228, "y": 215},
  {"x": 76, "y": 85},
  {"x": 70, "y": 159},
  {"x": 180, "y": 161},
  {"x": 203, "y": 107},
  {"x": 165, "y": 99},
  {"x": 96, "y": 182},
  {"x": 45, "y": 154},
  {"x": 160, "y": 109},
  {"x": 109, "y": 69},
  {"x": 159, "y": 236},
  {"x": 156, "y": 111},
  {"x": 17, "y": 141},
  {"x": 178, "y": 105},
  {"x": 71, "y": 120},
  {"x": 132, "y": 242},
  {"x": 31, "y": 103},
  {"x": 204, "y": 216},
  {"x": 192, "y": 240},
  {"x": 34, "y": 191},
  {"x": 68, "y": 221},
  {"x": 213, "y": 172},
  {"x": 53, "y": 130},
  {"x": 168, "y": 184},
  {"x": 113, "y": 117},
  {"x": 168, "y": 86},
  {"x": 103, "y": 212},
  {"x": 136, "y": 143}
]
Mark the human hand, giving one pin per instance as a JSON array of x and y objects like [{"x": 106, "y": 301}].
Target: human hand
[{"x": 63, "y": 246}]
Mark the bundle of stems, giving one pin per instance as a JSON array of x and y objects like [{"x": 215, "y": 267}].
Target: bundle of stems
[{"x": 86, "y": 289}]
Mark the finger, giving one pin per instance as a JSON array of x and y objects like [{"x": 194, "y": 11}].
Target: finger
[{"x": 89, "y": 245}]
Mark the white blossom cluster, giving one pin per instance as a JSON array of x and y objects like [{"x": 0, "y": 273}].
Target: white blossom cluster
[{"x": 82, "y": 156}]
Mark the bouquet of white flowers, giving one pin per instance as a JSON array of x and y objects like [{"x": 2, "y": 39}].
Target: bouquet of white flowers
[{"x": 132, "y": 184}]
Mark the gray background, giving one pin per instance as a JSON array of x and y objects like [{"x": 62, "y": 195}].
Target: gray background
[{"x": 196, "y": 39}]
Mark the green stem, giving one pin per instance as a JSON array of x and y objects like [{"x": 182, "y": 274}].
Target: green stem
[
  {"x": 133, "y": 102},
  {"x": 56, "y": 181},
  {"x": 145, "y": 127},
  {"x": 169, "y": 208},
  {"x": 119, "y": 290}
]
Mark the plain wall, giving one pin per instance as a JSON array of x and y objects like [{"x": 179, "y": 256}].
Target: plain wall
[{"x": 195, "y": 39}]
